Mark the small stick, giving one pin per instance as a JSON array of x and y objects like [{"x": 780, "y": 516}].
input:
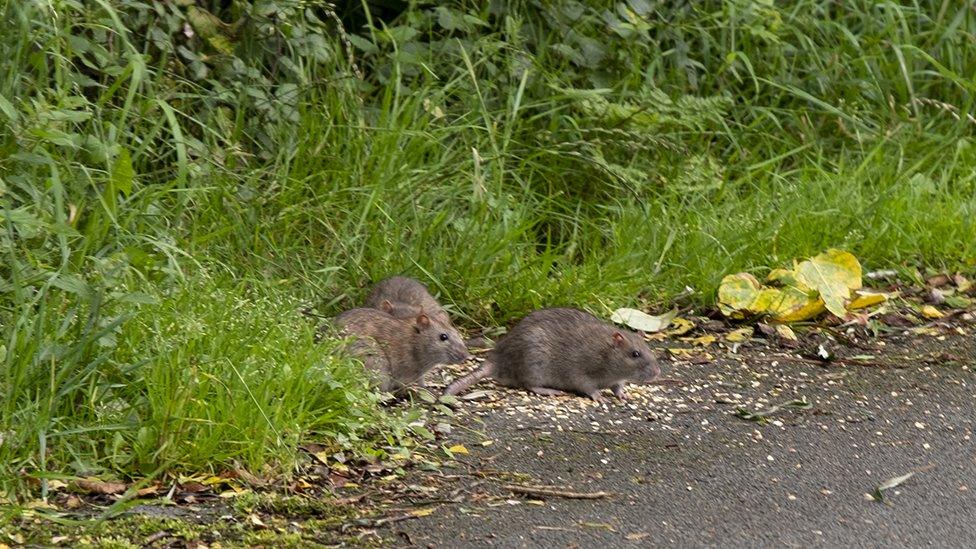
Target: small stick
[
  {"x": 391, "y": 520},
  {"x": 554, "y": 492},
  {"x": 665, "y": 381}
]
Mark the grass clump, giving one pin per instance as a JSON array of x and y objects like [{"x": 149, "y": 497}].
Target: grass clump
[{"x": 208, "y": 373}]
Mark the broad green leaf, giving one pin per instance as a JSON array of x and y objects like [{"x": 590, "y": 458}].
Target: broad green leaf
[
  {"x": 122, "y": 173},
  {"x": 7, "y": 108}
]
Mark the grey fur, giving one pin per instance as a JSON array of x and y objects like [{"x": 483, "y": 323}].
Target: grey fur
[
  {"x": 404, "y": 297},
  {"x": 565, "y": 350}
]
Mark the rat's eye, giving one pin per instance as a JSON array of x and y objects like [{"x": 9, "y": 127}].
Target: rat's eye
[
  {"x": 635, "y": 354},
  {"x": 444, "y": 337}
]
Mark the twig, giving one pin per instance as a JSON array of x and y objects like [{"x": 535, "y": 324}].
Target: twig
[
  {"x": 156, "y": 537},
  {"x": 665, "y": 381},
  {"x": 391, "y": 520},
  {"x": 554, "y": 492}
]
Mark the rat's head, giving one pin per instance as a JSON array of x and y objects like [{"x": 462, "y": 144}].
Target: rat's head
[
  {"x": 439, "y": 342},
  {"x": 635, "y": 357}
]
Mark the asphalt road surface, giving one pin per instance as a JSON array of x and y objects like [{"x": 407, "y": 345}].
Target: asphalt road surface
[{"x": 682, "y": 469}]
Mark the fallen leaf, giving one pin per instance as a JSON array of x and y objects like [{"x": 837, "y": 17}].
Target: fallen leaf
[
  {"x": 475, "y": 395},
  {"x": 73, "y": 502},
  {"x": 889, "y": 484},
  {"x": 790, "y": 304},
  {"x": 930, "y": 312},
  {"x": 701, "y": 341},
  {"x": 785, "y": 332},
  {"x": 458, "y": 449},
  {"x": 338, "y": 480},
  {"x": 864, "y": 298},
  {"x": 834, "y": 274},
  {"x": 695, "y": 356},
  {"x": 193, "y": 487},
  {"x": 680, "y": 326},
  {"x": 821, "y": 283},
  {"x": 736, "y": 294},
  {"x": 40, "y": 504},
  {"x": 427, "y": 511},
  {"x": 256, "y": 521},
  {"x": 938, "y": 281},
  {"x": 740, "y": 335},
  {"x": 642, "y": 321},
  {"x": 97, "y": 486},
  {"x": 150, "y": 490},
  {"x": 898, "y": 320},
  {"x": 962, "y": 283}
]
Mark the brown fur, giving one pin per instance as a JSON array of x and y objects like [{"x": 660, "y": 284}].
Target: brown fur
[{"x": 401, "y": 351}]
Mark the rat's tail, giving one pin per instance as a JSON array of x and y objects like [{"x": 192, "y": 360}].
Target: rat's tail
[{"x": 464, "y": 383}]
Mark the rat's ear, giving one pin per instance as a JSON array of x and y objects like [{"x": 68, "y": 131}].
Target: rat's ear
[
  {"x": 387, "y": 306},
  {"x": 618, "y": 338},
  {"x": 423, "y": 321}
]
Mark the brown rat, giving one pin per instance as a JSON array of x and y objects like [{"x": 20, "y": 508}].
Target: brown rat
[
  {"x": 554, "y": 351},
  {"x": 404, "y": 297},
  {"x": 401, "y": 350}
]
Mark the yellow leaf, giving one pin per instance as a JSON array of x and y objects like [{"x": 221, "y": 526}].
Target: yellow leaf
[
  {"x": 694, "y": 355},
  {"x": 931, "y": 312},
  {"x": 736, "y": 293},
  {"x": 427, "y": 511},
  {"x": 834, "y": 274},
  {"x": 681, "y": 326},
  {"x": 786, "y": 302},
  {"x": 786, "y": 279},
  {"x": 487, "y": 442},
  {"x": 785, "y": 332},
  {"x": 863, "y": 299},
  {"x": 740, "y": 335},
  {"x": 703, "y": 341},
  {"x": 213, "y": 480},
  {"x": 458, "y": 449}
]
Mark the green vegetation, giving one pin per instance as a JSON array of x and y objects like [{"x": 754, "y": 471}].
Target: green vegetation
[{"x": 176, "y": 177}]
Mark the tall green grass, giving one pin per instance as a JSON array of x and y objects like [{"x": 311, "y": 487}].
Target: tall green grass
[{"x": 175, "y": 177}]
